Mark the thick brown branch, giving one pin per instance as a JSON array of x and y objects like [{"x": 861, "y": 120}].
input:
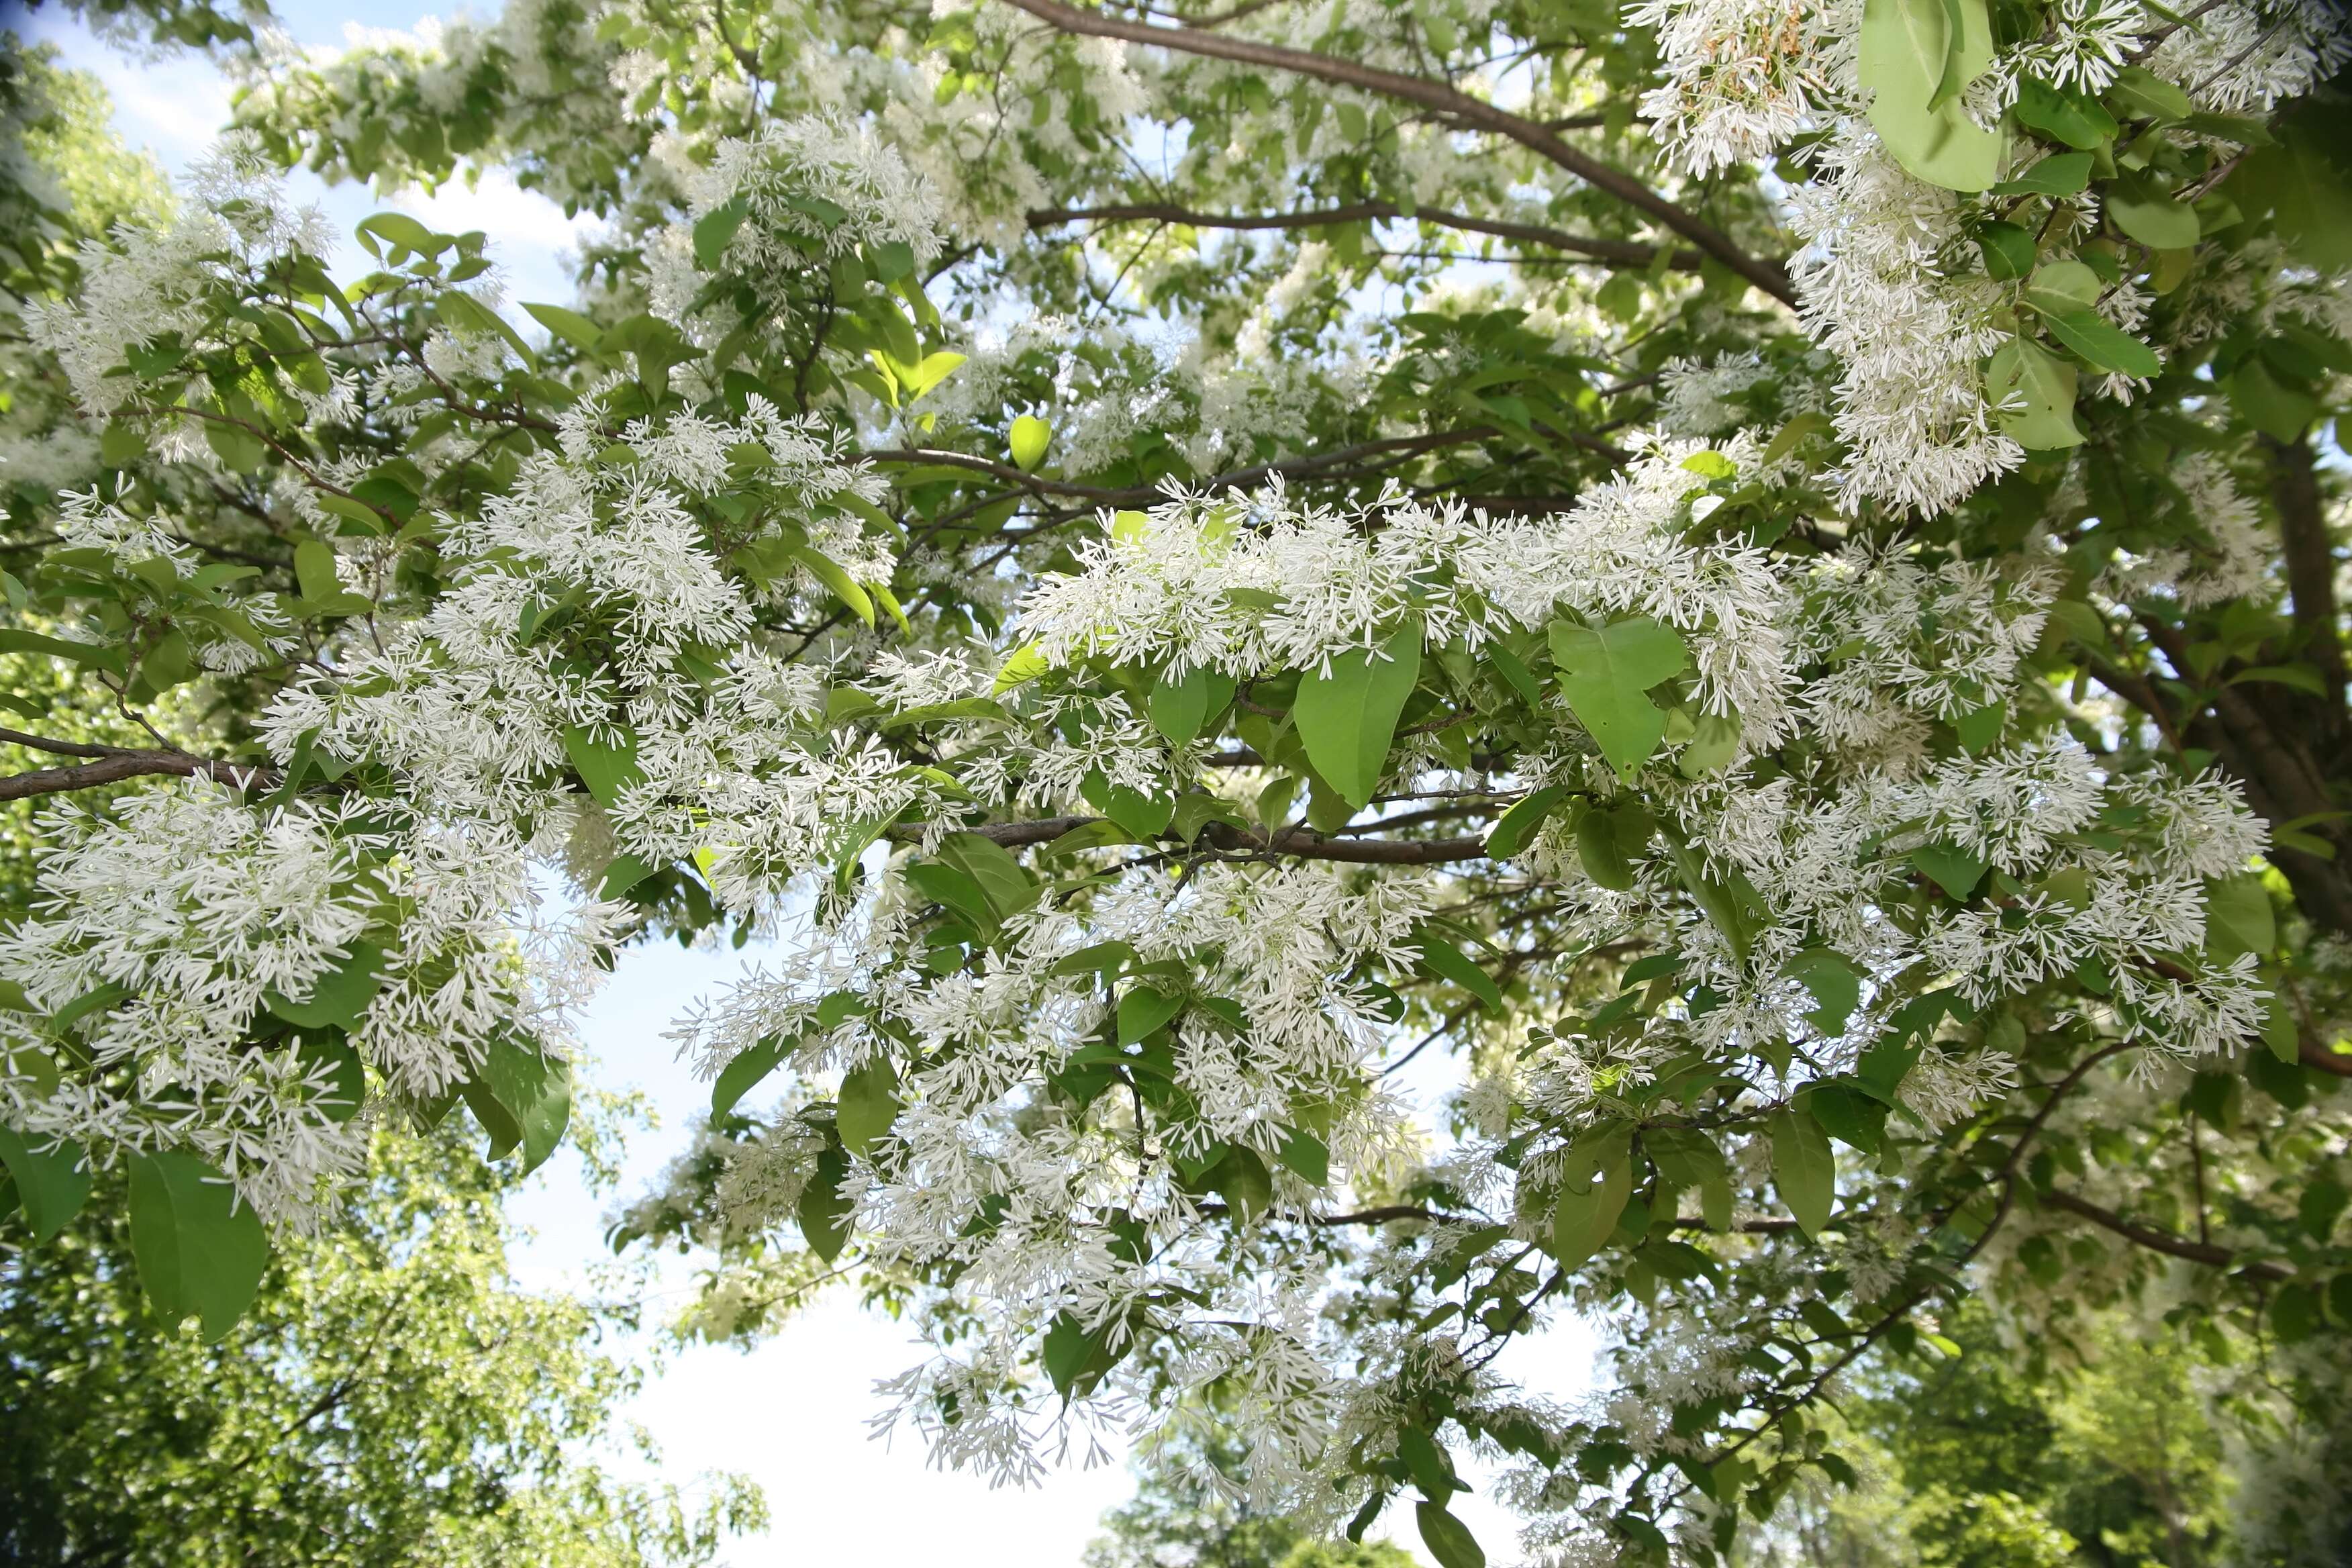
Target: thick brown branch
[
  {"x": 2310, "y": 560},
  {"x": 1472, "y": 112},
  {"x": 2317, "y": 1057},
  {"x": 1613, "y": 252},
  {"x": 2162, "y": 1241},
  {"x": 1320, "y": 464},
  {"x": 1300, "y": 841},
  {"x": 117, "y": 766}
]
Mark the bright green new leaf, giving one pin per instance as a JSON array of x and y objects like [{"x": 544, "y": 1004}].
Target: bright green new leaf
[
  {"x": 2103, "y": 345},
  {"x": 828, "y": 572},
  {"x": 2059, "y": 174},
  {"x": 1915, "y": 56},
  {"x": 1030, "y": 437},
  {"x": 200, "y": 1251},
  {"x": 2061, "y": 285},
  {"x": 1025, "y": 665},
  {"x": 1514, "y": 829},
  {"x": 1347, "y": 718},
  {"x": 2034, "y": 391},
  {"x": 1606, "y": 674}
]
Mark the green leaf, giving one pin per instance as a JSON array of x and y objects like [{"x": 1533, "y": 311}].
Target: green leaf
[
  {"x": 2007, "y": 250},
  {"x": 869, "y": 1103},
  {"x": 1606, "y": 675},
  {"x": 2034, "y": 391},
  {"x": 1030, "y": 437},
  {"x": 1425, "y": 1461},
  {"x": 1598, "y": 1174},
  {"x": 200, "y": 1252},
  {"x": 314, "y": 570},
  {"x": 2307, "y": 191},
  {"x": 744, "y": 1071},
  {"x": 1955, "y": 871},
  {"x": 1836, "y": 988},
  {"x": 605, "y": 767},
  {"x": 1348, "y": 718},
  {"x": 2069, "y": 117},
  {"x": 462, "y": 312},
  {"x": 2149, "y": 216},
  {"x": 1442, "y": 959},
  {"x": 1003, "y": 880},
  {"x": 1025, "y": 665},
  {"x": 2059, "y": 174},
  {"x": 2060, "y": 286},
  {"x": 1713, "y": 742},
  {"x": 1448, "y": 1539},
  {"x": 2146, "y": 95},
  {"x": 927, "y": 372},
  {"x": 1143, "y": 1011},
  {"x": 1515, "y": 828},
  {"x": 830, "y": 574},
  {"x": 1803, "y": 1168},
  {"x": 535, "y": 1091},
  {"x": 822, "y": 1212},
  {"x": 1812, "y": 423},
  {"x": 1685, "y": 1156},
  {"x": 2238, "y": 917},
  {"x": 110, "y": 659},
  {"x": 1911, "y": 52},
  {"x": 1179, "y": 709},
  {"x": 715, "y": 229},
  {"x": 570, "y": 325},
  {"x": 2104, "y": 345},
  {"x": 340, "y": 998},
  {"x": 402, "y": 233},
  {"x": 1305, "y": 1154},
  {"x": 52, "y": 1179},
  {"x": 2278, "y": 411}
]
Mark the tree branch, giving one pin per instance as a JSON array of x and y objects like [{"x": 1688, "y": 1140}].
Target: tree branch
[
  {"x": 1302, "y": 842},
  {"x": 116, "y": 766},
  {"x": 1612, "y": 252},
  {"x": 2162, "y": 1241},
  {"x": 1476, "y": 113}
]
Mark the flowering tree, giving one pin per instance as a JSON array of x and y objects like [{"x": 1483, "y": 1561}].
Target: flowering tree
[{"x": 1758, "y": 574}]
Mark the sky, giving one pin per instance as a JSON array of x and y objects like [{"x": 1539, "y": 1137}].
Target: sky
[{"x": 793, "y": 1412}]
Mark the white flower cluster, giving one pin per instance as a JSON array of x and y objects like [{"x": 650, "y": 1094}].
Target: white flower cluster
[
  {"x": 1911, "y": 404},
  {"x": 166, "y": 932},
  {"x": 1259, "y": 584},
  {"x": 1742, "y": 77}
]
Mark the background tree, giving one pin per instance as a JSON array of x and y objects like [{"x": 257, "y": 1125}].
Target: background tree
[{"x": 392, "y": 1396}]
